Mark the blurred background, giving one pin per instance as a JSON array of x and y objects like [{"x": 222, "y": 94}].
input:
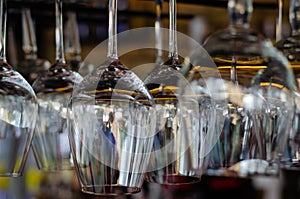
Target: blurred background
[{"x": 195, "y": 18}]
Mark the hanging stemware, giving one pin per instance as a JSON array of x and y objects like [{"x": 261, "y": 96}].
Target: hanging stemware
[
  {"x": 290, "y": 47},
  {"x": 174, "y": 157},
  {"x": 31, "y": 66},
  {"x": 111, "y": 125},
  {"x": 259, "y": 87},
  {"x": 18, "y": 111},
  {"x": 54, "y": 88}
]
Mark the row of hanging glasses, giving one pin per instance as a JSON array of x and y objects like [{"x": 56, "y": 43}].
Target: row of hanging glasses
[
  {"x": 260, "y": 102},
  {"x": 290, "y": 47},
  {"x": 232, "y": 105}
]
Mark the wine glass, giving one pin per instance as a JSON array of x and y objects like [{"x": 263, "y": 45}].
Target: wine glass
[
  {"x": 31, "y": 66},
  {"x": 290, "y": 47},
  {"x": 54, "y": 88},
  {"x": 177, "y": 154},
  {"x": 162, "y": 83},
  {"x": 18, "y": 111},
  {"x": 260, "y": 96},
  {"x": 111, "y": 125}
]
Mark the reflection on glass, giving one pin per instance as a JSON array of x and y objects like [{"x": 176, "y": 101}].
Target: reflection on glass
[
  {"x": 111, "y": 125},
  {"x": 54, "y": 89},
  {"x": 290, "y": 47},
  {"x": 175, "y": 156},
  {"x": 18, "y": 111},
  {"x": 259, "y": 87}
]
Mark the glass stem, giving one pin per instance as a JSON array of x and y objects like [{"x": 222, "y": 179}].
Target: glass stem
[
  {"x": 60, "y": 56},
  {"x": 279, "y": 21},
  {"x": 173, "y": 51},
  {"x": 3, "y": 15},
  {"x": 233, "y": 71},
  {"x": 294, "y": 16},
  {"x": 158, "y": 33},
  {"x": 239, "y": 12},
  {"x": 75, "y": 33},
  {"x": 29, "y": 39},
  {"x": 112, "y": 30},
  {"x": 71, "y": 36}
]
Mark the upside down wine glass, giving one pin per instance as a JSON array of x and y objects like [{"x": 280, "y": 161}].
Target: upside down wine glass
[
  {"x": 18, "y": 111},
  {"x": 290, "y": 47},
  {"x": 162, "y": 84},
  {"x": 260, "y": 89},
  {"x": 111, "y": 125},
  {"x": 54, "y": 88},
  {"x": 176, "y": 155}
]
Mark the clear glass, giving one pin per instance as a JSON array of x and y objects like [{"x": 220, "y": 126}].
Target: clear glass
[
  {"x": 31, "y": 66},
  {"x": 279, "y": 20},
  {"x": 54, "y": 89},
  {"x": 290, "y": 47},
  {"x": 158, "y": 32},
  {"x": 259, "y": 85},
  {"x": 163, "y": 85},
  {"x": 181, "y": 127},
  {"x": 111, "y": 125},
  {"x": 18, "y": 111}
]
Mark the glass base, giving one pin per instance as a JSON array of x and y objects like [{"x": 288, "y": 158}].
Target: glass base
[
  {"x": 110, "y": 190},
  {"x": 173, "y": 179}
]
